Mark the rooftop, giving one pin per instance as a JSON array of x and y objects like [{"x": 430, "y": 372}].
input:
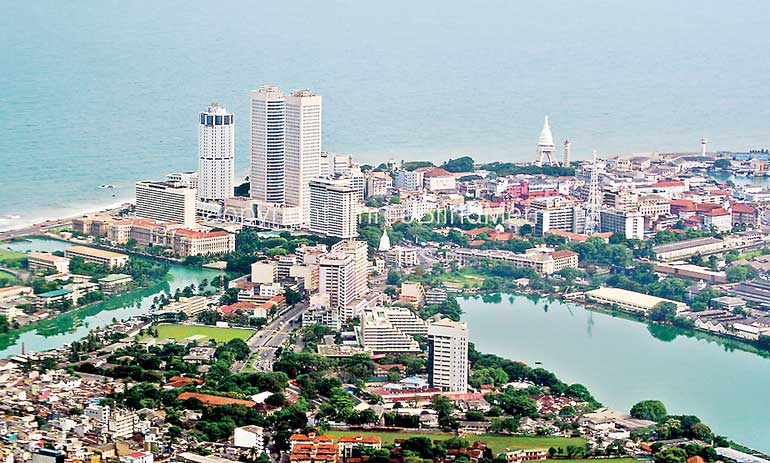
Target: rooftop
[{"x": 95, "y": 252}]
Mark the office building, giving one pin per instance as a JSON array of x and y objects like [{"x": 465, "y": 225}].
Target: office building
[
  {"x": 544, "y": 261},
  {"x": 567, "y": 217},
  {"x": 96, "y": 256},
  {"x": 337, "y": 279},
  {"x": 411, "y": 180},
  {"x": 188, "y": 179},
  {"x": 166, "y": 201},
  {"x": 250, "y": 437},
  {"x": 321, "y": 312},
  {"x": 267, "y": 144},
  {"x": 333, "y": 208},
  {"x": 302, "y": 148},
  {"x": 448, "y": 355},
  {"x": 627, "y": 223},
  {"x": 377, "y": 184},
  {"x": 216, "y": 154},
  {"x": 360, "y": 253},
  {"x": 45, "y": 262}
]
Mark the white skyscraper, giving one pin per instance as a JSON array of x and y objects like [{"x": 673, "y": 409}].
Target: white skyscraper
[
  {"x": 360, "y": 252},
  {"x": 267, "y": 139},
  {"x": 303, "y": 148},
  {"x": 334, "y": 208},
  {"x": 337, "y": 278},
  {"x": 448, "y": 355},
  {"x": 216, "y": 154}
]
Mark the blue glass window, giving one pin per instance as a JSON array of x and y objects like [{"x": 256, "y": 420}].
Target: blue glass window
[
  {"x": 209, "y": 120},
  {"x": 218, "y": 120}
]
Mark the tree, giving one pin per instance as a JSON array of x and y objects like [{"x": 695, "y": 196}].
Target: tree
[
  {"x": 663, "y": 312},
  {"x": 702, "y": 432},
  {"x": 4, "y": 325},
  {"x": 741, "y": 273},
  {"x": 652, "y": 410},
  {"x": 463, "y": 164},
  {"x": 722, "y": 163},
  {"x": 671, "y": 455}
]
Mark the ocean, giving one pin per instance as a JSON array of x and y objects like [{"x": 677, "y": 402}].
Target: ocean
[{"x": 107, "y": 92}]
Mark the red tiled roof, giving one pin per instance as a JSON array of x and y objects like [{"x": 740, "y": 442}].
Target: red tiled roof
[
  {"x": 667, "y": 183},
  {"x": 743, "y": 208},
  {"x": 200, "y": 235},
  {"x": 705, "y": 207},
  {"x": 437, "y": 172},
  {"x": 360, "y": 438},
  {"x": 717, "y": 212},
  {"x": 563, "y": 254}
]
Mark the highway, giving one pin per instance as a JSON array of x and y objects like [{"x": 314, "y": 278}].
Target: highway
[{"x": 272, "y": 336}]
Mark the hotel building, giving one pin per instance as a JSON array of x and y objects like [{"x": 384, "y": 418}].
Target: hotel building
[
  {"x": 216, "y": 154},
  {"x": 166, "y": 201}
]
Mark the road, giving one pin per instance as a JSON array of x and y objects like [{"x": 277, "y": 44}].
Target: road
[
  {"x": 272, "y": 336},
  {"x": 36, "y": 229}
]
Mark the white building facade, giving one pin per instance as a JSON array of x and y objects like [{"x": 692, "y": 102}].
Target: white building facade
[
  {"x": 334, "y": 208},
  {"x": 303, "y": 147},
  {"x": 448, "y": 355},
  {"x": 166, "y": 201},
  {"x": 267, "y": 144},
  {"x": 216, "y": 154}
]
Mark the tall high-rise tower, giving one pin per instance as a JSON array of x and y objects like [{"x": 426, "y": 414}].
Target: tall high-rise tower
[
  {"x": 545, "y": 148},
  {"x": 303, "y": 148},
  {"x": 703, "y": 143},
  {"x": 216, "y": 154},
  {"x": 594, "y": 203},
  {"x": 566, "y": 160},
  {"x": 267, "y": 140},
  {"x": 448, "y": 355}
]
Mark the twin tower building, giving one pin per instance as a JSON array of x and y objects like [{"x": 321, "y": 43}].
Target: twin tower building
[{"x": 285, "y": 159}]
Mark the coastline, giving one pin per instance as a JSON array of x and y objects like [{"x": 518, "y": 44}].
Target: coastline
[{"x": 41, "y": 221}]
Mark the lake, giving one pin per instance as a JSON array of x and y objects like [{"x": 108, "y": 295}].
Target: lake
[
  {"x": 622, "y": 361},
  {"x": 77, "y": 323}
]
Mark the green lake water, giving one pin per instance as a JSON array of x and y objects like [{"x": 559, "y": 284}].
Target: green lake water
[
  {"x": 77, "y": 323},
  {"x": 622, "y": 361}
]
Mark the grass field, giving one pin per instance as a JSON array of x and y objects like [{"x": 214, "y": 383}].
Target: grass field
[
  {"x": 180, "y": 332},
  {"x": 11, "y": 259},
  {"x": 466, "y": 278},
  {"x": 495, "y": 442}
]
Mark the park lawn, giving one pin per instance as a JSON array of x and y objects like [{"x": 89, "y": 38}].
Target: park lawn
[
  {"x": 467, "y": 278},
  {"x": 497, "y": 443},
  {"x": 11, "y": 259},
  {"x": 180, "y": 332}
]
